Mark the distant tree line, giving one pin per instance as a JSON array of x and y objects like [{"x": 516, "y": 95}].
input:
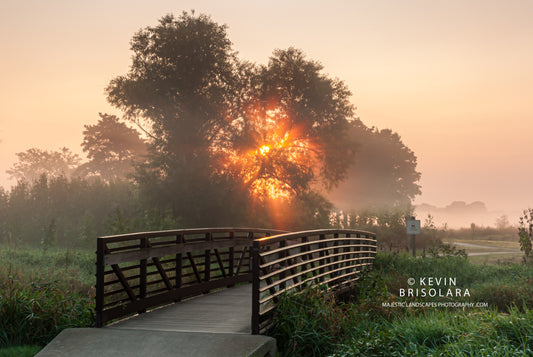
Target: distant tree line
[{"x": 222, "y": 142}]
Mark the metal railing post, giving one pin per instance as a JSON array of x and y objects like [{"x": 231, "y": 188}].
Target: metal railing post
[
  {"x": 100, "y": 269},
  {"x": 255, "y": 288}
]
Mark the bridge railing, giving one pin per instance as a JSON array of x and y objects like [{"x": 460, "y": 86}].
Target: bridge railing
[
  {"x": 141, "y": 270},
  {"x": 332, "y": 259}
]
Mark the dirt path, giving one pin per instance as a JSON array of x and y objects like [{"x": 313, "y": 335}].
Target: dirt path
[{"x": 493, "y": 250}]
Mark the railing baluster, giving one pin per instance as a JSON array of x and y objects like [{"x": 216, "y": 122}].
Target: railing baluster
[
  {"x": 142, "y": 267},
  {"x": 207, "y": 262},
  {"x": 331, "y": 261},
  {"x": 142, "y": 272},
  {"x": 179, "y": 261},
  {"x": 231, "y": 256},
  {"x": 322, "y": 257}
]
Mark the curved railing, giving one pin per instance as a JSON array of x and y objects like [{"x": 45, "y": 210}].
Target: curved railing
[
  {"x": 141, "y": 270},
  {"x": 330, "y": 258}
]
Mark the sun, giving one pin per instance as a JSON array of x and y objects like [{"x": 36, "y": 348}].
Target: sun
[
  {"x": 277, "y": 163},
  {"x": 263, "y": 150}
]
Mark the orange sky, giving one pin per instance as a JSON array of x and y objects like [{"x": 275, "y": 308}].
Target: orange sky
[{"x": 453, "y": 78}]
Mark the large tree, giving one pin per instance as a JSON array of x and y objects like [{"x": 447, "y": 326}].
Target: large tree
[
  {"x": 383, "y": 175},
  {"x": 291, "y": 133},
  {"x": 112, "y": 147},
  {"x": 224, "y": 132},
  {"x": 178, "y": 90},
  {"x": 178, "y": 85}
]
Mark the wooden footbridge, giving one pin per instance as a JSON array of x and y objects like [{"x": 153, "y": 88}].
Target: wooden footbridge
[{"x": 198, "y": 280}]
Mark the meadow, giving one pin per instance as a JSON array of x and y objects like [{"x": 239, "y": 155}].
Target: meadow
[
  {"x": 44, "y": 292},
  {"x": 495, "y": 319}
]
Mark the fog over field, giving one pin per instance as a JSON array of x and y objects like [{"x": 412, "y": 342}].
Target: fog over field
[{"x": 452, "y": 78}]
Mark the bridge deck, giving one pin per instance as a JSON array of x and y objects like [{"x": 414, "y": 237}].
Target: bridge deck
[
  {"x": 216, "y": 324},
  {"x": 225, "y": 311}
]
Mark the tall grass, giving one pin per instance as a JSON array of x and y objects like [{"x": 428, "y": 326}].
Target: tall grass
[
  {"x": 42, "y": 294},
  {"x": 312, "y": 324},
  {"x": 441, "y": 333}
]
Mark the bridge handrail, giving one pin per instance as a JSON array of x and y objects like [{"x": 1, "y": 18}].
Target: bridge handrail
[
  {"x": 332, "y": 258},
  {"x": 141, "y": 270}
]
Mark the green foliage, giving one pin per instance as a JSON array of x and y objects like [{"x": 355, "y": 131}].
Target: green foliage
[
  {"x": 147, "y": 220},
  {"x": 112, "y": 149},
  {"x": 364, "y": 327},
  {"x": 49, "y": 235},
  {"x": 387, "y": 223},
  {"x": 444, "y": 334},
  {"x": 506, "y": 295},
  {"x": 19, "y": 351},
  {"x": 61, "y": 212},
  {"x": 445, "y": 250},
  {"x": 383, "y": 174},
  {"x": 525, "y": 234},
  {"x": 33, "y": 163},
  {"x": 308, "y": 323},
  {"x": 507, "y": 233},
  {"x": 201, "y": 105},
  {"x": 43, "y": 294}
]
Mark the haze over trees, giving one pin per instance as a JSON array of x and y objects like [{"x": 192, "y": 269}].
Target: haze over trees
[
  {"x": 224, "y": 142},
  {"x": 383, "y": 175},
  {"x": 112, "y": 148},
  {"x": 34, "y": 162}
]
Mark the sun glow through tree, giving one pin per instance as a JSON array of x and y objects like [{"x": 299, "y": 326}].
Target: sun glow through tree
[{"x": 278, "y": 160}]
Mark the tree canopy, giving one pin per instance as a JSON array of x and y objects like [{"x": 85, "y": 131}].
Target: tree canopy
[
  {"x": 225, "y": 142},
  {"x": 112, "y": 149},
  {"x": 384, "y": 174},
  {"x": 270, "y": 132},
  {"x": 224, "y": 132},
  {"x": 34, "y": 162}
]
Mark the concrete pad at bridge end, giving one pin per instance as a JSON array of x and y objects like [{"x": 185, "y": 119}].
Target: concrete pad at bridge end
[{"x": 104, "y": 342}]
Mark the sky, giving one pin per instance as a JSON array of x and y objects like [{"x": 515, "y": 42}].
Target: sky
[{"x": 453, "y": 78}]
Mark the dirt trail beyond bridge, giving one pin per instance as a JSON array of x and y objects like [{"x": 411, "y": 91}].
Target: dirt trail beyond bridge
[{"x": 487, "y": 250}]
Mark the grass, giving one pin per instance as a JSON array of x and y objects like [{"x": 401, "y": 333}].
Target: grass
[
  {"x": 310, "y": 324},
  {"x": 496, "y": 259},
  {"x": 45, "y": 292},
  {"x": 42, "y": 294},
  {"x": 440, "y": 333},
  {"x": 20, "y": 351}
]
